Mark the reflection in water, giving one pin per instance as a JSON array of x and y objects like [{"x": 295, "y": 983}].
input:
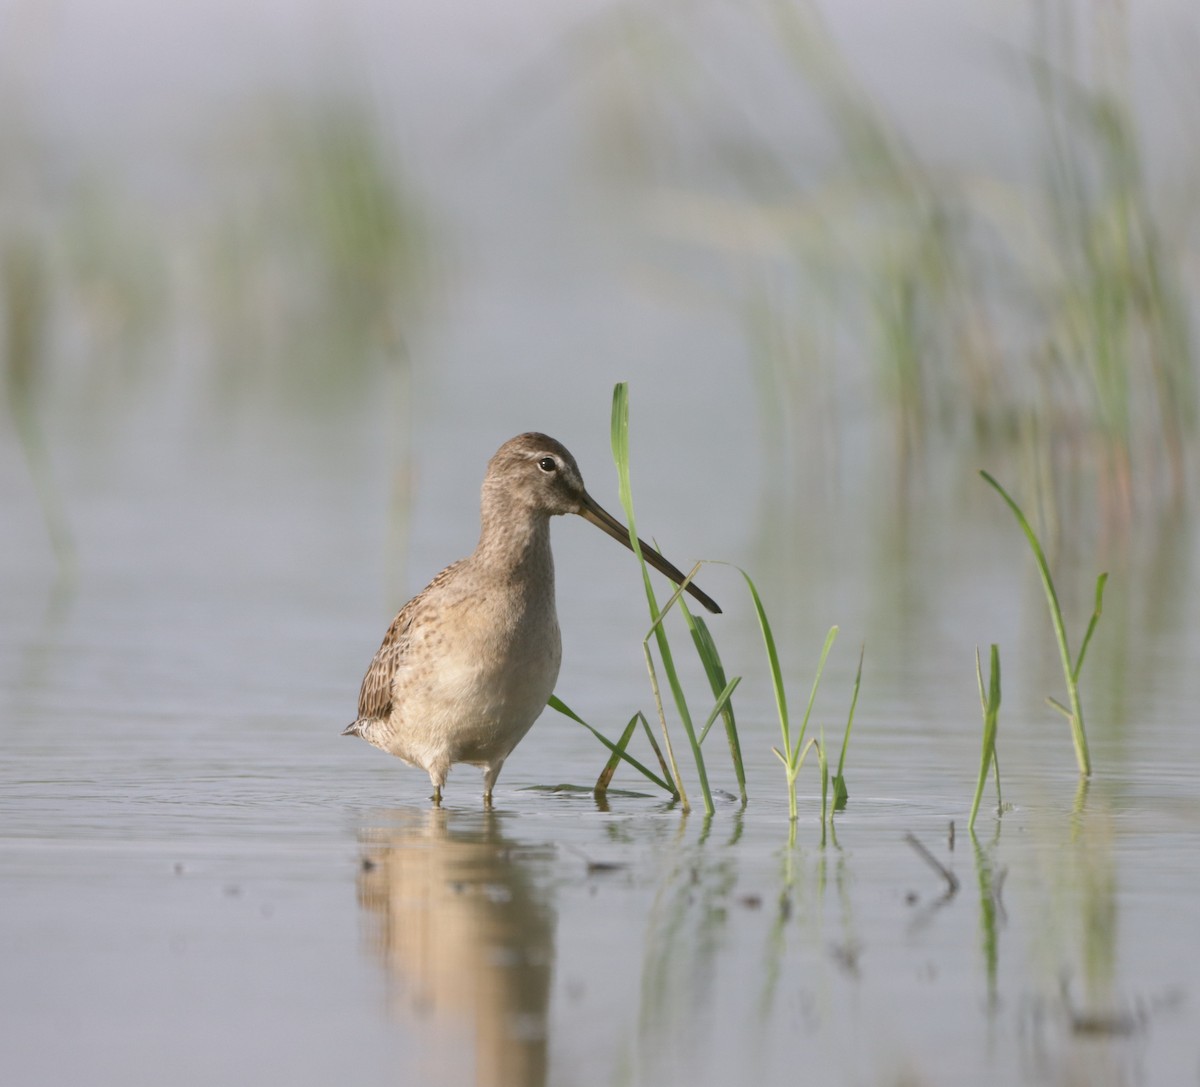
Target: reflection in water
[
  {"x": 468, "y": 939},
  {"x": 1090, "y": 863},
  {"x": 1078, "y": 1021},
  {"x": 709, "y": 912},
  {"x": 992, "y": 915}
]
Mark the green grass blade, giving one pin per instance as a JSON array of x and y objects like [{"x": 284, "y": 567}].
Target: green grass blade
[
  {"x": 823, "y": 767},
  {"x": 1078, "y": 736},
  {"x": 794, "y": 750},
  {"x": 722, "y": 702},
  {"x": 985, "y": 759},
  {"x": 812, "y": 695},
  {"x": 610, "y": 767},
  {"x": 841, "y": 793},
  {"x": 990, "y": 722},
  {"x": 557, "y": 704},
  {"x": 710, "y": 658},
  {"x": 773, "y": 660},
  {"x": 1043, "y": 569},
  {"x": 620, "y": 451},
  {"x": 681, "y": 706},
  {"x": 662, "y": 762},
  {"x": 680, "y": 789},
  {"x": 619, "y": 438},
  {"x": 1101, "y": 581},
  {"x": 1055, "y": 704},
  {"x": 804, "y": 753},
  {"x": 979, "y": 682}
]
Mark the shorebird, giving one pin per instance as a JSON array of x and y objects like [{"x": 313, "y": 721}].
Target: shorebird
[{"x": 468, "y": 664}]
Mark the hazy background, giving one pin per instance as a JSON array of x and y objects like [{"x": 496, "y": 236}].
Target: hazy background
[
  {"x": 818, "y": 242},
  {"x": 272, "y": 270}
]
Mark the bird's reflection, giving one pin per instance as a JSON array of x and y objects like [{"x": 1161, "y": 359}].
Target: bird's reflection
[{"x": 466, "y": 936}]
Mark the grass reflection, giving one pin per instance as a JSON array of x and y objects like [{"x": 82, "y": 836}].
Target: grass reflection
[{"x": 992, "y": 916}]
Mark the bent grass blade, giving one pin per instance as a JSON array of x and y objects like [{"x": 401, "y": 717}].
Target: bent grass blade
[
  {"x": 558, "y": 705},
  {"x": 840, "y": 793},
  {"x": 1074, "y": 713},
  {"x": 710, "y": 658},
  {"x": 610, "y": 767}
]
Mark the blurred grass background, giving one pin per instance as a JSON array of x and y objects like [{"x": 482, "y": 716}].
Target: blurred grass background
[
  {"x": 282, "y": 216},
  {"x": 1028, "y": 308}
]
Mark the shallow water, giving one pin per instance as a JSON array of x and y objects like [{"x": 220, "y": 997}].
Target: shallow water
[
  {"x": 203, "y": 880},
  {"x": 200, "y": 880}
]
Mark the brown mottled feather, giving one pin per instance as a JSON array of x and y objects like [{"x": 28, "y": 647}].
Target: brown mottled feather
[{"x": 375, "y": 697}]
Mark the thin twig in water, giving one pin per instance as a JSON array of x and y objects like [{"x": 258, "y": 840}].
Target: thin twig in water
[
  {"x": 595, "y": 867},
  {"x": 950, "y": 878}
]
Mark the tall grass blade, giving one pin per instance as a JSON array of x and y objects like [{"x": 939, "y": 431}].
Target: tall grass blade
[
  {"x": 764, "y": 626},
  {"x": 620, "y": 451},
  {"x": 991, "y": 715},
  {"x": 840, "y": 792},
  {"x": 823, "y": 767},
  {"x": 676, "y": 776},
  {"x": 786, "y": 756},
  {"x": 1078, "y": 736},
  {"x": 793, "y": 750},
  {"x": 710, "y": 658}
]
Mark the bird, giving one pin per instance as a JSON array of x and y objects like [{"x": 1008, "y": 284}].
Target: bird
[{"x": 468, "y": 664}]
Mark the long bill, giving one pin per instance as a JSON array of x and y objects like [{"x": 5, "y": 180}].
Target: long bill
[{"x": 591, "y": 510}]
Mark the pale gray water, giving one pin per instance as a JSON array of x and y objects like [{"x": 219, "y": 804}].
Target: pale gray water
[
  {"x": 200, "y": 880},
  {"x": 184, "y": 830}
]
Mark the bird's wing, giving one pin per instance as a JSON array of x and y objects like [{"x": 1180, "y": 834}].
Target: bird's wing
[{"x": 375, "y": 696}]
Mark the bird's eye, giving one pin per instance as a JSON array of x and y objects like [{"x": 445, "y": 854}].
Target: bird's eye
[{"x": 548, "y": 464}]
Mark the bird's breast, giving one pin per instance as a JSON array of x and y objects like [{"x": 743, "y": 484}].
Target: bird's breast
[{"x": 489, "y": 657}]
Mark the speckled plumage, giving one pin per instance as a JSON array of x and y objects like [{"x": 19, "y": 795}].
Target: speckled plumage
[{"x": 467, "y": 666}]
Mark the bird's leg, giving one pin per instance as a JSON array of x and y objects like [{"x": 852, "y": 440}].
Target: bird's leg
[
  {"x": 438, "y": 781},
  {"x": 489, "y": 780}
]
